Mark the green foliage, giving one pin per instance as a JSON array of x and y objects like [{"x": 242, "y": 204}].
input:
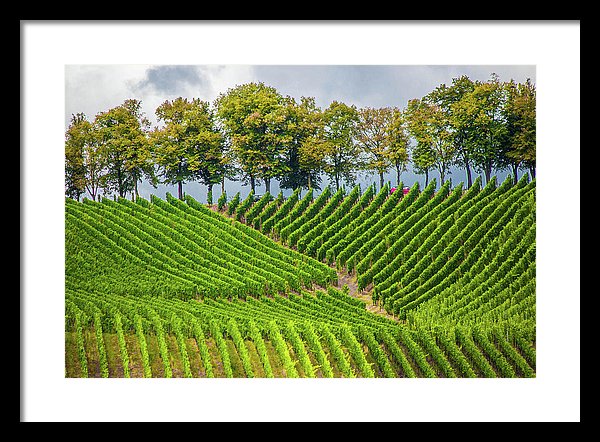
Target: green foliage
[
  {"x": 100, "y": 342},
  {"x": 84, "y": 162},
  {"x": 238, "y": 340},
  {"x": 209, "y": 196},
  {"x": 216, "y": 333},
  {"x": 122, "y": 344},
  {"x": 341, "y": 155},
  {"x": 122, "y": 134},
  {"x": 222, "y": 201},
  {"x": 139, "y": 330},
  {"x": 281, "y": 347},
  {"x": 254, "y": 118},
  {"x": 256, "y": 336},
  {"x": 244, "y": 206},
  {"x": 189, "y": 146},
  {"x": 303, "y": 121},
  {"x": 233, "y": 204},
  {"x": 459, "y": 267}
]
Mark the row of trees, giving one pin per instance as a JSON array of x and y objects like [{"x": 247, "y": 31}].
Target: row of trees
[{"x": 253, "y": 133}]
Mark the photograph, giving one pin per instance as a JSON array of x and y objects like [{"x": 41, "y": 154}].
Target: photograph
[
  {"x": 317, "y": 221},
  {"x": 267, "y": 221}
]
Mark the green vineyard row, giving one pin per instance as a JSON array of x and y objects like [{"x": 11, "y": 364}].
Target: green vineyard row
[
  {"x": 303, "y": 336},
  {"x": 450, "y": 256},
  {"x": 172, "y": 288}
]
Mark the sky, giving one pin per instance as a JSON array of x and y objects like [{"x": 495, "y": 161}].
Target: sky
[{"x": 96, "y": 88}]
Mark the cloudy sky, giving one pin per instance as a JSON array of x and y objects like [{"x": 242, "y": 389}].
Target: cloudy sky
[{"x": 96, "y": 88}]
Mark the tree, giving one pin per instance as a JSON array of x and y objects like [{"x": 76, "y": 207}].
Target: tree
[
  {"x": 229, "y": 169},
  {"x": 458, "y": 118},
  {"x": 209, "y": 144},
  {"x": 303, "y": 122},
  {"x": 311, "y": 157},
  {"x": 422, "y": 158},
  {"x": 187, "y": 147},
  {"x": 341, "y": 155},
  {"x": 488, "y": 129},
  {"x": 429, "y": 126},
  {"x": 140, "y": 161},
  {"x": 255, "y": 120},
  {"x": 372, "y": 135},
  {"x": 83, "y": 162},
  {"x": 123, "y": 138},
  {"x": 398, "y": 143},
  {"x": 520, "y": 117}
]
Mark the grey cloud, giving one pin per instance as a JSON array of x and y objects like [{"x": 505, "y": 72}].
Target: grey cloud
[
  {"x": 171, "y": 79},
  {"x": 376, "y": 85}
]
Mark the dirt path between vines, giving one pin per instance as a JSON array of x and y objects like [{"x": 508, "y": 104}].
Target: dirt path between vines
[{"x": 350, "y": 280}]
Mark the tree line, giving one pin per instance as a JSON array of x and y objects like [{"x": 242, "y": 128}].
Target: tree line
[{"x": 255, "y": 134}]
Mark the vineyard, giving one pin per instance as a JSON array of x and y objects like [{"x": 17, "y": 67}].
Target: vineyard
[{"x": 341, "y": 284}]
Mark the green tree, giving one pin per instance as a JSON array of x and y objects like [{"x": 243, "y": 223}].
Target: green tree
[
  {"x": 303, "y": 123},
  {"x": 342, "y": 157},
  {"x": 140, "y": 161},
  {"x": 520, "y": 117},
  {"x": 210, "y": 147},
  {"x": 428, "y": 124},
  {"x": 187, "y": 146},
  {"x": 254, "y": 117},
  {"x": 122, "y": 134},
  {"x": 372, "y": 135},
  {"x": 458, "y": 118},
  {"x": 112, "y": 129},
  {"x": 229, "y": 169},
  {"x": 84, "y": 163},
  {"x": 398, "y": 143},
  {"x": 311, "y": 156},
  {"x": 488, "y": 134}
]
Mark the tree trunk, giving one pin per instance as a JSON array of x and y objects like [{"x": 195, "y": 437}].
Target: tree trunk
[
  {"x": 252, "y": 183},
  {"x": 309, "y": 182},
  {"x": 179, "y": 183},
  {"x": 209, "y": 192},
  {"x": 223, "y": 185},
  {"x": 426, "y": 177},
  {"x": 267, "y": 185},
  {"x": 397, "y": 175},
  {"x": 515, "y": 168},
  {"x": 381, "y": 180},
  {"x": 488, "y": 173},
  {"x": 337, "y": 182},
  {"x": 468, "y": 169},
  {"x": 136, "y": 193},
  {"x": 532, "y": 171},
  {"x": 120, "y": 183}
]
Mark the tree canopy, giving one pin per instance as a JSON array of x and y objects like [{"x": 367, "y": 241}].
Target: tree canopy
[{"x": 254, "y": 133}]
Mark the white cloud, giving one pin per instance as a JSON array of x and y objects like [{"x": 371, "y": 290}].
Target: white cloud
[{"x": 97, "y": 88}]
